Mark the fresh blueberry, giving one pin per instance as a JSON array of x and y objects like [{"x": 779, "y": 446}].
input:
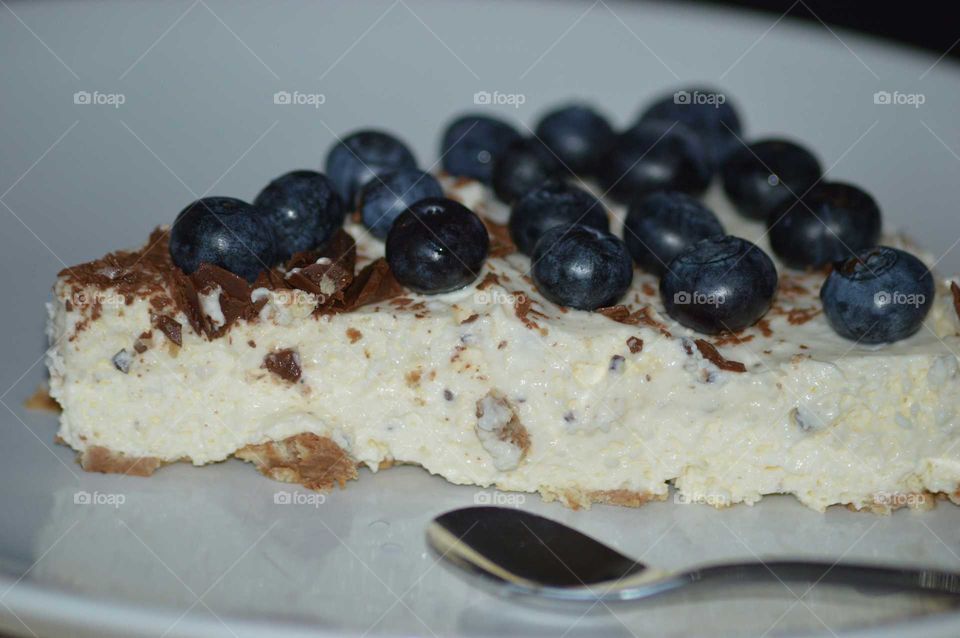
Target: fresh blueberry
[
  {"x": 224, "y": 232},
  {"x": 578, "y": 135},
  {"x": 880, "y": 296},
  {"x": 437, "y": 245},
  {"x": 719, "y": 284},
  {"x": 302, "y": 209},
  {"x": 525, "y": 164},
  {"x": 361, "y": 156},
  {"x": 382, "y": 200},
  {"x": 663, "y": 224},
  {"x": 470, "y": 144},
  {"x": 759, "y": 177},
  {"x": 707, "y": 112},
  {"x": 653, "y": 156},
  {"x": 831, "y": 222},
  {"x": 581, "y": 267},
  {"x": 552, "y": 204}
]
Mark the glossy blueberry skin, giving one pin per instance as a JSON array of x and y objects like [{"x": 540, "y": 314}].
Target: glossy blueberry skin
[
  {"x": 470, "y": 144},
  {"x": 759, "y": 177},
  {"x": 578, "y": 135},
  {"x": 719, "y": 284},
  {"x": 437, "y": 245},
  {"x": 831, "y": 223},
  {"x": 717, "y": 125},
  {"x": 302, "y": 209},
  {"x": 880, "y": 296},
  {"x": 224, "y": 232},
  {"x": 655, "y": 156},
  {"x": 382, "y": 200},
  {"x": 581, "y": 267},
  {"x": 361, "y": 156},
  {"x": 552, "y": 204},
  {"x": 525, "y": 164},
  {"x": 663, "y": 224}
]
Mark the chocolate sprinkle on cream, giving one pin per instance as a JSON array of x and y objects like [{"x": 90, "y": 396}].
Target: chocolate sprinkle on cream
[
  {"x": 501, "y": 244},
  {"x": 149, "y": 273},
  {"x": 623, "y": 314},
  {"x": 170, "y": 327},
  {"x": 284, "y": 363},
  {"x": 711, "y": 354}
]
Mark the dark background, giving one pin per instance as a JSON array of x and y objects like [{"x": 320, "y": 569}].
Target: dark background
[{"x": 928, "y": 25}]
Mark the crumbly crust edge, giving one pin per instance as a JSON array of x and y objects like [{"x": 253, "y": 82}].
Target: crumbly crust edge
[{"x": 319, "y": 463}]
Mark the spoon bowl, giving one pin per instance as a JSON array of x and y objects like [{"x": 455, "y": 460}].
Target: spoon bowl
[{"x": 523, "y": 554}]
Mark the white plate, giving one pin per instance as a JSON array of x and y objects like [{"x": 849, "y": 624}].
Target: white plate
[{"x": 205, "y": 552}]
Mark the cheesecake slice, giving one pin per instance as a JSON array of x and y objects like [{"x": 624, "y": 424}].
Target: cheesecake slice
[{"x": 327, "y": 364}]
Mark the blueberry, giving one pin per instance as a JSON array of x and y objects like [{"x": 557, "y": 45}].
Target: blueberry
[
  {"x": 382, "y": 200},
  {"x": 831, "y": 222},
  {"x": 581, "y": 267},
  {"x": 470, "y": 144},
  {"x": 224, "y": 232},
  {"x": 552, "y": 204},
  {"x": 578, "y": 135},
  {"x": 880, "y": 296},
  {"x": 302, "y": 209},
  {"x": 655, "y": 156},
  {"x": 525, "y": 164},
  {"x": 663, "y": 224},
  {"x": 759, "y": 177},
  {"x": 707, "y": 112},
  {"x": 719, "y": 284},
  {"x": 437, "y": 245},
  {"x": 361, "y": 156}
]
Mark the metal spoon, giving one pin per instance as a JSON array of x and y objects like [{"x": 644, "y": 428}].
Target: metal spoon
[{"x": 523, "y": 554}]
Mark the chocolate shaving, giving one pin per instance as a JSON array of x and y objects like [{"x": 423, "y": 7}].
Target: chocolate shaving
[
  {"x": 170, "y": 327},
  {"x": 501, "y": 244},
  {"x": 234, "y": 298},
  {"x": 283, "y": 363},
  {"x": 523, "y": 308},
  {"x": 620, "y": 314},
  {"x": 623, "y": 314},
  {"x": 711, "y": 354},
  {"x": 149, "y": 274},
  {"x": 373, "y": 284},
  {"x": 490, "y": 279},
  {"x": 635, "y": 344},
  {"x": 327, "y": 272},
  {"x": 764, "y": 326},
  {"x": 733, "y": 338}
]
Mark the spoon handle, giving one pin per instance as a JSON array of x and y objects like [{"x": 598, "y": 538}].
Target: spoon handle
[{"x": 852, "y": 574}]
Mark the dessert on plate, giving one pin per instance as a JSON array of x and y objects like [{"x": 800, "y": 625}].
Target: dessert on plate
[{"x": 589, "y": 314}]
